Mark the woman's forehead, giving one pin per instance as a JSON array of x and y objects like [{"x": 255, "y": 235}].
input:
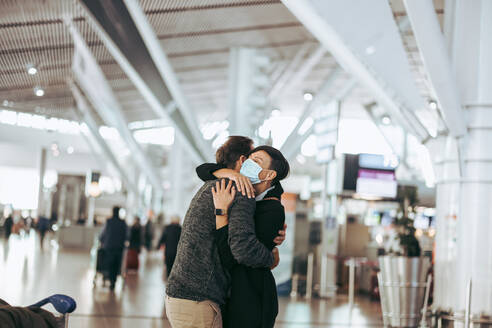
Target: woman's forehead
[{"x": 260, "y": 154}]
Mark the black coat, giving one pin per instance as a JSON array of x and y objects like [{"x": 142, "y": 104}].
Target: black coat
[
  {"x": 114, "y": 233},
  {"x": 253, "y": 301},
  {"x": 135, "y": 237},
  {"x": 170, "y": 238}
]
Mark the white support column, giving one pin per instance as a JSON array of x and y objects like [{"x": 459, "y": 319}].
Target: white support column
[
  {"x": 434, "y": 52},
  {"x": 177, "y": 181},
  {"x": 42, "y": 171},
  {"x": 247, "y": 91},
  {"x": 91, "y": 208},
  {"x": 464, "y": 243},
  {"x": 445, "y": 159}
]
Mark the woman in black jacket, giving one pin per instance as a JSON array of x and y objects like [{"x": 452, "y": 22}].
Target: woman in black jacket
[{"x": 253, "y": 296}]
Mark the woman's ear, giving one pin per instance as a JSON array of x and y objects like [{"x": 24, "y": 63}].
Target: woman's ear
[{"x": 242, "y": 158}]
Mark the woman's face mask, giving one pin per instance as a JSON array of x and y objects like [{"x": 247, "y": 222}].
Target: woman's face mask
[{"x": 251, "y": 170}]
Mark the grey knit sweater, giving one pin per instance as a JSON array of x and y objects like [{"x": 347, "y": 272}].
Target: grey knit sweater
[{"x": 197, "y": 272}]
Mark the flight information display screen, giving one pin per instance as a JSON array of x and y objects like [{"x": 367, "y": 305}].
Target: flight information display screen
[{"x": 371, "y": 175}]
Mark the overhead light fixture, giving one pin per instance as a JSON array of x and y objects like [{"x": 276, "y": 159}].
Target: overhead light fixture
[
  {"x": 70, "y": 150},
  {"x": 5, "y": 103},
  {"x": 38, "y": 91},
  {"x": 94, "y": 189},
  {"x": 370, "y": 50},
  {"x": 386, "y": 120},
  {"x": 275, "y": 113},
  {"x": 433, "y": 104},
  {"x": 31, "y": 69},
  {"x": 308, "y": 96}
]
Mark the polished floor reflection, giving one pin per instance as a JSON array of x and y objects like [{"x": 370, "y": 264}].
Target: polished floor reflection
[{"x": 28, "y": 274}]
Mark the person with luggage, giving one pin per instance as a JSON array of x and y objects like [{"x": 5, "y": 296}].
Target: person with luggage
[
  {"x": 135, "y": 239},
  {"x": 169, "y": 242},
  {"x": 43, "y": 225},
  {"x": 112, "y": 238},
  {"x": 149, "y": 231}
]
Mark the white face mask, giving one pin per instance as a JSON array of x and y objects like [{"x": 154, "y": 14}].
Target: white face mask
[{"x": 251, "y": 170}]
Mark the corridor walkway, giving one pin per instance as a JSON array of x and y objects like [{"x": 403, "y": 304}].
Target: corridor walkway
[{"x": 28, "y": 274}]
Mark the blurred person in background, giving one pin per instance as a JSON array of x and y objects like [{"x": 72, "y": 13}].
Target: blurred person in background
[
  {"x": 135, "y": 239},
  {"x": 112, "y": 238},
  {"x": 169, "y": 242},
  {"x": 7, "y": 225},
  {"x": 149, "y": 230},
  {"x": 43, "y": 226},
  {"x": 135, "y": 235}
]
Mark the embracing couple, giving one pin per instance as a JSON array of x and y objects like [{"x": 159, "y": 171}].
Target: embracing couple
[{"x": 222, "y": 273}]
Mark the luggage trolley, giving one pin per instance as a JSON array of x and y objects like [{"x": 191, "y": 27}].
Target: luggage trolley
[{"x": 63, "y": 304}]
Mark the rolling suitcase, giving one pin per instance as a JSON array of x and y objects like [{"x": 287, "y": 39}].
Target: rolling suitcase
[
  {"x": 132, "y": 259},
  {"x": 100, "y": 265}
]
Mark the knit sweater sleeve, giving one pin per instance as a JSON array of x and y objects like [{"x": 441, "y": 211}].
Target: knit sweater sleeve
[{"x": 245, "y": 246}]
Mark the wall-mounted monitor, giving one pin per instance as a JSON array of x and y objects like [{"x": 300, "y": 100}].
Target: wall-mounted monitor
[{"x": 370, "y": 175}]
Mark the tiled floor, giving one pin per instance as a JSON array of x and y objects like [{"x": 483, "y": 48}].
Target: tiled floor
[{"x": 28, "y": 274}]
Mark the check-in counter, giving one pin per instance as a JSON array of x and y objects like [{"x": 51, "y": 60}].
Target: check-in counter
[{"x": 78, "y": 236}]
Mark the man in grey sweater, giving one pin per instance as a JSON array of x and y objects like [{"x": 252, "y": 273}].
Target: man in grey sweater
[{"x": 198, "y": 284}]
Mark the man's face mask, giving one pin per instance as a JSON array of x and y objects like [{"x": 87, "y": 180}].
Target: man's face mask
[{"x": 251, "y": 170}]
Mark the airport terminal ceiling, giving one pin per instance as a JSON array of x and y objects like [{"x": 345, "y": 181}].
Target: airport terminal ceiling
[{"x": 196, "y": 37}]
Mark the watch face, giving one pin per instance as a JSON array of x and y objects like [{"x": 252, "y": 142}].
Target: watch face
[{"x": 219, "y": 211}]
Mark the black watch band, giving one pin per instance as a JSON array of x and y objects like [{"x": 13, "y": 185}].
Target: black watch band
[{"x": 220, "y": 212}]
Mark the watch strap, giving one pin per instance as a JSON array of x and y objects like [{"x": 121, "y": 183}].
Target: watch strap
[{"x": 220, "y": 212}]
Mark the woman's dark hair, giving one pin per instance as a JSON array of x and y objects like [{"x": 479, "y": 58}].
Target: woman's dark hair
[
  {"x": 279, "y": 163},
  {"x": 232, "y": 149}
]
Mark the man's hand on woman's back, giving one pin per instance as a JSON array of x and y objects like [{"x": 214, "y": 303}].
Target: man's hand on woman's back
[{"x": 281, "y": 236}]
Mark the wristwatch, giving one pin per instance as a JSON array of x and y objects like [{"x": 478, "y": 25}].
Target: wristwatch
[{"x": 220, "y": 212}]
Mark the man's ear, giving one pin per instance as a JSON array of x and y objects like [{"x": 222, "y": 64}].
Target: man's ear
[
  {"x": 239, "y": 163},
  {"x": 270, "y": 175}
]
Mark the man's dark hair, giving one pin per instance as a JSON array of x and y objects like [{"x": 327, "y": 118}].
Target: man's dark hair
[
  {"x": 279, "y": 163},
  {"x": 232, "y": 149},
  {"x": 116, "y": 212}
]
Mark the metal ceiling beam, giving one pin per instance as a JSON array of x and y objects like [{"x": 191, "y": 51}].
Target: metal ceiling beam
[
  {"x": 434, "y": 52},
  {"x": 328, "y": 37},
  {"x": 85, "y": 114},
  {"x": 289, "y": 71},
  {"x": 168, "y": 75},
  {"x": 332, "y": 77},
  {"x": 133, "y": 51},
  {"x": 304, "y": 70},
  {"x": 294, "y": 141},
  {"x": 368, "y": 109},
  {"x": 93, "y": 83}
]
